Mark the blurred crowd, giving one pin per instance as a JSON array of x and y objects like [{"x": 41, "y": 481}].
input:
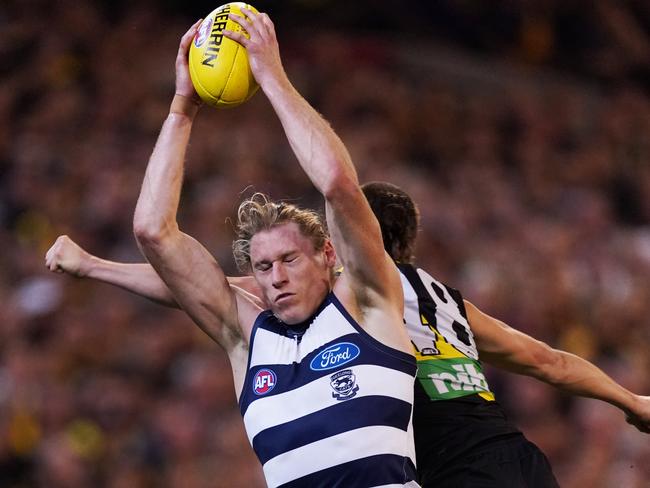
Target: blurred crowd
[{"x": 533, "y": 187}]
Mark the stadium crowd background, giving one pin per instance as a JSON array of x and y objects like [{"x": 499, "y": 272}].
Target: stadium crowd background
[{"x": 522, "y": 130}]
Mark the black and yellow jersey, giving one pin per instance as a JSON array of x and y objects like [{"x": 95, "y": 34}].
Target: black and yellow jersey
[
  {"x": 448, "y": 364},
  {"x": 454, "y": 411}
]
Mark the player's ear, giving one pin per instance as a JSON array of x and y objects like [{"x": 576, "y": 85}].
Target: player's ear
[{"x": 330, "y": 254}]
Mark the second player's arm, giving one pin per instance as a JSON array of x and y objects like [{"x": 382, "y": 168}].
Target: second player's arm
[
  {"x": 512, "y": 350},
  {"x": 66, "y": 256}
]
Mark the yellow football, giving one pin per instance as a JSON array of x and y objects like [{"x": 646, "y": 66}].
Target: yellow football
[{"x": 219, "y": 66}]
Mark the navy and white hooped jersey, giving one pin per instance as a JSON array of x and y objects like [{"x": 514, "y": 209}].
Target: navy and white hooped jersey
[{"x": 327, "y": 405}]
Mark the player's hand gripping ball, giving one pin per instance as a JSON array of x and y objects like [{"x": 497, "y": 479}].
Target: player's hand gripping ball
[{"x": 219, "y": 66}]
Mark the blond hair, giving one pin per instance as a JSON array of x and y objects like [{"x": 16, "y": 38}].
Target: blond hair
[{"x": 259, "y": 213}]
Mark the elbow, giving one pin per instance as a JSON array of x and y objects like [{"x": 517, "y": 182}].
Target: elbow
[
  {"x": 340, "y": 184},
  {"x": 547, "y": 364},
  {"x": 150, "y": 234}
]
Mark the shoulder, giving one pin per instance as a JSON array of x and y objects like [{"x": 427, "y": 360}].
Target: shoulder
[{"x": 379, "y": 316}]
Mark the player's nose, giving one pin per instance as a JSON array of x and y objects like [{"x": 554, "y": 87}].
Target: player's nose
[{"x": 279, "y": 275}]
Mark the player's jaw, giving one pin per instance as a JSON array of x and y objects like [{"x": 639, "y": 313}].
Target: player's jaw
[{"x": 296, "y": 306}]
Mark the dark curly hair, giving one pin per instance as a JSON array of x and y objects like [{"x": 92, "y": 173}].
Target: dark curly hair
[{"x": 398, "y": 218}]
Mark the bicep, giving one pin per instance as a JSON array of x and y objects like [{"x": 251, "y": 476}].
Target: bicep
[
  {"x": 507, "y": 348},
  {"x": 198, "y": 285}
]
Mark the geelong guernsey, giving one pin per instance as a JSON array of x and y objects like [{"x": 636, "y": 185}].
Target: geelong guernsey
[{"x": 326, "y": 405}]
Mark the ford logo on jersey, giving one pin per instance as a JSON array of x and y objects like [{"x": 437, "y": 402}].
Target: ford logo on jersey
[
  {"x": 264, "y": 381},
  {"x": 335, "y": 356}
]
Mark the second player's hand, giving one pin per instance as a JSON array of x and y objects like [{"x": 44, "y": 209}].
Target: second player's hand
[
  {"x": 65, "y": 256},
  {"x": 261, "y": 45}
]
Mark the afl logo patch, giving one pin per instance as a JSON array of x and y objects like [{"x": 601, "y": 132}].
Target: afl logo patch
[
  {"x": 335, "y": 356},
  {"x": 264, "y": 381},
  {"x": 203, "y": 32}
]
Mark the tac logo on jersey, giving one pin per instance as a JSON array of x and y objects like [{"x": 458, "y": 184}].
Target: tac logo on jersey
[
  {"x": 335, "y": 356},
  {"x": 344, "y": 385},
  {"x": 264, "y": 381}
]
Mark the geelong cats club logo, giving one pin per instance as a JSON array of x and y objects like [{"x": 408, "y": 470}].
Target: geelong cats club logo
[
  {"x": 264, "y": 381},
  {"x": 344, "y": 385}
]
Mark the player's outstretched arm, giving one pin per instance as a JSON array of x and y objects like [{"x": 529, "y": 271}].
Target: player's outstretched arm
[
  {"x": 322, "y": 155},
  {"x": 66, "y": 256},
  {"x": 509, "y": 349}
]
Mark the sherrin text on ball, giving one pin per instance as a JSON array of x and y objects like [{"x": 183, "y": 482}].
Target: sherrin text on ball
[{"x": 219, "y": 66}]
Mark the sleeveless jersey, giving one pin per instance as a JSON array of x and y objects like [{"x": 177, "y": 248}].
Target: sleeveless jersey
[
  {"x": 454, "y": 412},
  {"x": 448, "y": 365},
  {"x": 327, "y": 405}
]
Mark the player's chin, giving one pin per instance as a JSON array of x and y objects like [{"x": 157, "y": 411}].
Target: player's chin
[{"x": 291, "y": 314}]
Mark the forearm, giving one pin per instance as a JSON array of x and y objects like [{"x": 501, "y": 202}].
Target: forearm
[
  {"x": 577, "y": 376},
  {"x": 319, "y": 150},
  {"x": 512, "y": 350},
  {"x": 138, "y": 278},
  {"x": 155, "y": 212}
]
